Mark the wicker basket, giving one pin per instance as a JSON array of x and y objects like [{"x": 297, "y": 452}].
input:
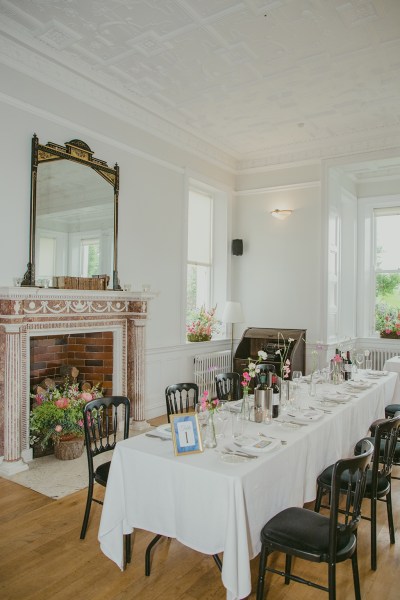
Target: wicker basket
[{"x": 69, "y": 449}]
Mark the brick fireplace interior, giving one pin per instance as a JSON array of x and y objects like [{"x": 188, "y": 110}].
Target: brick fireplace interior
[{"x": 90, "y": 353}]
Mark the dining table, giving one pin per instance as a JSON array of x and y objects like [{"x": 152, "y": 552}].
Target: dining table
[
  {"x": 393, "y": 364},
  {"x": 217, "y": 502}
]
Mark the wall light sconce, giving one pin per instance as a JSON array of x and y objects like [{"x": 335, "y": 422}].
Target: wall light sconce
[{"x": 281, "y": 214}]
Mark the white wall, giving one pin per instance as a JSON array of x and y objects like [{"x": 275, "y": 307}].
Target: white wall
[
  {"x": 153, "y": 178},
  {"x": 278, "y": 276},
  {"x": 281, "y": 277}
]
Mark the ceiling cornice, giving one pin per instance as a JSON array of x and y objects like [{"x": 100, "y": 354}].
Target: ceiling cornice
[
  {"x": 46, "y": 69},
  {"x": 85, "y": 89}
]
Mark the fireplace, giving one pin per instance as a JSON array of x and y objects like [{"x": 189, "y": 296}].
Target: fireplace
[
  {"x": 90, "y": 353},
  {"x": 30, "y": 313}
]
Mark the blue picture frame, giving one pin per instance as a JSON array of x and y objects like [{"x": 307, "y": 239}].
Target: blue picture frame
[{"x": 186, "y": 435}]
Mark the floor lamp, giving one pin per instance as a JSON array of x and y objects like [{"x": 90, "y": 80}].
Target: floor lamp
[{"x": 232, "y": 314}]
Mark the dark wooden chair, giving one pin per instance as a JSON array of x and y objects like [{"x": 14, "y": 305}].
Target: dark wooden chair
[
  {"x": 318, "y": 538},
  {"x": 378, "y": 485},
  {"x": 101, "y": 418},
  {"x": 181, "y": 397},
  {"x": 228, "y": 386}
]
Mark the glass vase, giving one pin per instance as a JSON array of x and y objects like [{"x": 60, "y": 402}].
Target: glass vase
[
  {"x": 284, "y": 394},
  {"x": 210, "y": 439},
  {"x": 245, "y": 411}
]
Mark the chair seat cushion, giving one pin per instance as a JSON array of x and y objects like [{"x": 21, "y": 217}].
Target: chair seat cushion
[
  {"x": 301, "y": 529},
  {"x": 383, "y": 485},
  {"x": 101, "y": 473},
  {"x": 391, "y": 409},
  {"x": 357, "y": 449}
]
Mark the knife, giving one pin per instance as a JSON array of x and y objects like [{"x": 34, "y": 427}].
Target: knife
[{"x": 159, "y": 437}]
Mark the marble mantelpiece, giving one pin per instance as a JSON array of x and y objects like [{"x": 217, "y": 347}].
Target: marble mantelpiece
[{"x": 27, "y": 312}]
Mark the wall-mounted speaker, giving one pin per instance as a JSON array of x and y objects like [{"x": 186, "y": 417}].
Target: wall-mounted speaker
[{"x": 237, "y": 247}]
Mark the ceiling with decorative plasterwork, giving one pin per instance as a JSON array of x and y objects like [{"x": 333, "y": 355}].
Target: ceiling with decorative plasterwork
[{"x": 263, "y": 81}]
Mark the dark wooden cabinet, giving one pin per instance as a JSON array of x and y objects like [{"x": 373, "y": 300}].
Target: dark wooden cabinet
[{"x": 270, "y": 340}]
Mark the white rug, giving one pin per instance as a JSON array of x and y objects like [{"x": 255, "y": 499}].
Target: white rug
[{"x": 58, "y": 478}]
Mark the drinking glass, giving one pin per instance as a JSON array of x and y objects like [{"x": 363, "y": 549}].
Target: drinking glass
[
  {"x": 222, "y": 416},
  {"x": 238, "y": 424},
  {"x": 359, "y": 360},
  {"x": 202, "y": 418},
  {"x": 296, "y": 376}
]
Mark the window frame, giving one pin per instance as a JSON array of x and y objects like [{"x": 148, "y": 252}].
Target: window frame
[
  {"x": 220, "y": 268},
  {"x": 366, "y": 288}
]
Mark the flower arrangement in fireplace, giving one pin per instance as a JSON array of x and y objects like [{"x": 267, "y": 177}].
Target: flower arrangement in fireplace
[{"x": 57, "y": 412}]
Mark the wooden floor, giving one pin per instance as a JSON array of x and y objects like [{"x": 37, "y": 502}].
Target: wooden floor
[{"x": 42, "y": 558}]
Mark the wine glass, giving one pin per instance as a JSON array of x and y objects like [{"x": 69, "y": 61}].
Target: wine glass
[
  {"x": 360, "y": 359},
  {"x": 222, "y": 415}
]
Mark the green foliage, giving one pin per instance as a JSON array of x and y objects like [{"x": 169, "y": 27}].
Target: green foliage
[
  {"x": 58, "y": 411},
  {"x": 386, "y": 284}
]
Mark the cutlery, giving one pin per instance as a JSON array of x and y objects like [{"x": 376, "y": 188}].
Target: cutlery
[
  {"x": 292, "y": 423},
  {"x": 271, "y": 437},
  {"x": 241, "y": 452},
  {"x": 324, "y": 410},
  {"x": 159, "y": 437}
]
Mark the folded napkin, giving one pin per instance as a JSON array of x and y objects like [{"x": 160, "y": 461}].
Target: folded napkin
[
  {"x": 303, "y": 417},
  {"x": 358, "y": 385},
  {"x": 315, "y": 378},
  {"x": 235, "y": 406},
  {"x": 339, "y": 398},
  {"x": 376, "y": 373},
  {"x": 165, "y": 430},
  {"x": 255, "y": 444}
]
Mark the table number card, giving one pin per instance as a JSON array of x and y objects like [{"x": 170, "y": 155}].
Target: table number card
[{"x": 186, "y": 434}]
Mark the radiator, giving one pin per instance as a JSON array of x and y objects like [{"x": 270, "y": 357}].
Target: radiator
[
  {"x": 207, "y": 366},
  {"x": 379, "y": 356}
]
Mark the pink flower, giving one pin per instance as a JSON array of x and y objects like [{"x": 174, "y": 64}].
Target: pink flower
[
  {"x": 58, "y": 428},
  {"x": 387, "y": 330},
  {"x": 39, "y": 399},
  {"x": 86, "y": 396},
  {"x": 62, "y": 403},
  {"x": 80, "y": 423},
  {"x": 337, "y": 358}
]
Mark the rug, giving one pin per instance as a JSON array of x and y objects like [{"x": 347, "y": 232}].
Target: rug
[{"x": 59, "y": 478}]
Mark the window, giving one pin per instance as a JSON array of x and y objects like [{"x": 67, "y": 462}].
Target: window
[
  {"x": 90, "y": 257},
  {"x": 387, "y": 267},
  {"x": 199, "y": 260},
  {"x": 47, "y": 256},
  {"x": 207, "y": 250},
  {"x": 378, "y": 283}
]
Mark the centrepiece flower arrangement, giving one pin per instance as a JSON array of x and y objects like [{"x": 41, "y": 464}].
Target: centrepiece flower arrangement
[
  {"x": 282, "y": 352},
  {"x": 207, "y": 403},
  {"x": 202, "y": 326},
  {"x": 57, "y": 412},
  {"x": 252, "y": 370}
]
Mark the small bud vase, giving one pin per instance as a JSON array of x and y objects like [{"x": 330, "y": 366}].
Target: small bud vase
[
  {"x": 210, "y": 439},
  {"x": 245, "y": 411}
]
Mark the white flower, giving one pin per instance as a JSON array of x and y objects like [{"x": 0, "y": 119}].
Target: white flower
[{"x": 262, "y": 355}]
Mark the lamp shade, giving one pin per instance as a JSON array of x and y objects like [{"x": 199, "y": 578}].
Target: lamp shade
[{"x": 232, "y": 313}]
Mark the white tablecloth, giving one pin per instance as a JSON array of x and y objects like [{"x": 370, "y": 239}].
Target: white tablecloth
[
  {"x": 214, "y": 507},
  {"x": 393, "y": 364}
]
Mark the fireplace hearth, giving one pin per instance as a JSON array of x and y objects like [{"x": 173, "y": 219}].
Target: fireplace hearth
[{"x": 28, "y": 313}]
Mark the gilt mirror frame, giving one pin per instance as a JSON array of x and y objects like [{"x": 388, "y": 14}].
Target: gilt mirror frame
[{"x": 78, "y": 152}]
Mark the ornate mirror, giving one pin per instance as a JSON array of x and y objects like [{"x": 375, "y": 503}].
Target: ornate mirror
[{"x": 74, "y": 218}]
